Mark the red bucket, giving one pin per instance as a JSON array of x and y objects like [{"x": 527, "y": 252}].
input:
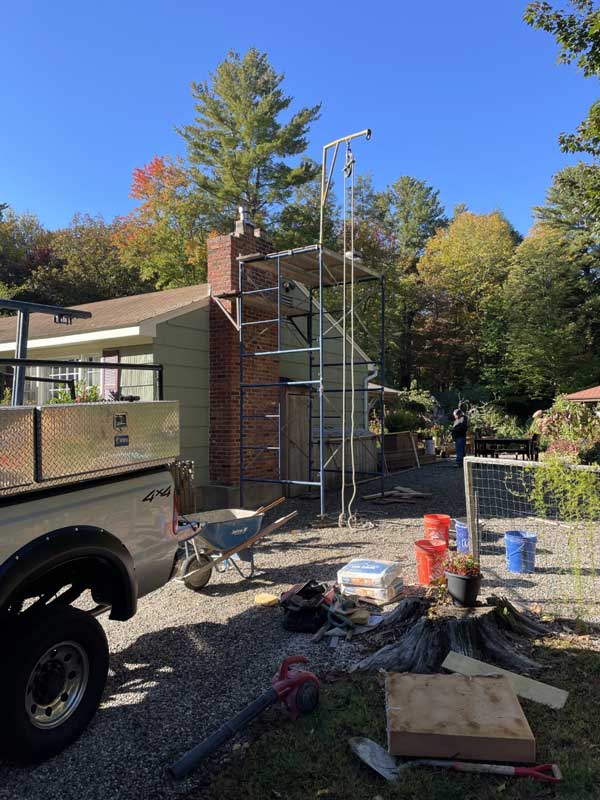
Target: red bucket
[
  {"x": 430, "y": 555},
  {"x": 437, "y": 526}
]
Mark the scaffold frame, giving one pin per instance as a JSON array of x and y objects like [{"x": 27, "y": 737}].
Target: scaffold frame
[{"x": 317, "y": 269}]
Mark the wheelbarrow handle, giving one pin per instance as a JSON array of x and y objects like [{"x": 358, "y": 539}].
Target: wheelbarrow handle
[{"x": 264, "y": 509}]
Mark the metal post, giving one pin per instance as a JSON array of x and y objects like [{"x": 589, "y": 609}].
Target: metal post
[
  {"x": 160, "y": 382},
  {"x": 18, "y": 387},
  {"x": 321, "y": 430},
  {"x": 278, "y": 303},
  {"x": 472, "y": 512},
  {"x": 241, "y": 337},
  {"x": 382, "y": 381},
  {"x": 309, "y": 336}
]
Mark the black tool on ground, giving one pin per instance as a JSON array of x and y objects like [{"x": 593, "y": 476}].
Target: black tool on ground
[
  {"x": 303, "y": 609},
  {"x": 296, "y": 689}
]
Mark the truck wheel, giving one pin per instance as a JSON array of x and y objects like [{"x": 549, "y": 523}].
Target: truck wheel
[
  {"x": 198, "y": 581},
  {"x": 52, "y": 675}
]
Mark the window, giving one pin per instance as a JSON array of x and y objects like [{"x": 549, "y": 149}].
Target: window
[{"x": 89, "y": 376}]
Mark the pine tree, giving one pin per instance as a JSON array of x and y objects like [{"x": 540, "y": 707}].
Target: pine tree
[{"x": 238, "y": 148}]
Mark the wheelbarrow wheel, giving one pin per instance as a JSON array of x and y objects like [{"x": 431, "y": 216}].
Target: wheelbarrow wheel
[{"x": 197, "y": 580}]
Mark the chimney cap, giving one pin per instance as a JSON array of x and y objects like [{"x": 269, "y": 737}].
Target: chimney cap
[{"x": 244, "y": 216}]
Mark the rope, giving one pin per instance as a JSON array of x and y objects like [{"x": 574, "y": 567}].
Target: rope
[
  {"x": 352, "y": 377},
  {"x": 346, "y": 517},
  {"x": 342, "y": 516}
]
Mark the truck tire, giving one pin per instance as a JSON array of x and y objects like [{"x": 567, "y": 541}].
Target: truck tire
[{"x": 52, "y": 674}]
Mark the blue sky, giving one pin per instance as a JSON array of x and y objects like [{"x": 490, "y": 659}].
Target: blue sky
[{"x": 463, "y": 95}]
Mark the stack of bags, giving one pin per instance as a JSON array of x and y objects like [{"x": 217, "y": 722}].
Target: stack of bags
[{"x": 372, "y": 581}]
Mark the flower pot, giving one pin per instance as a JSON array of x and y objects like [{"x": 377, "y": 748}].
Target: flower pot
[{"x": 463, "y": 588}]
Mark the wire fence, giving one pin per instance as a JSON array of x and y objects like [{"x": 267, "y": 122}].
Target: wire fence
[{"x": 560, "y": 505}]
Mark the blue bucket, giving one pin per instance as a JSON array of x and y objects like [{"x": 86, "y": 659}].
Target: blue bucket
[
  {"x": 462, "y": 537},
  {"x": 520, "y": 551}
]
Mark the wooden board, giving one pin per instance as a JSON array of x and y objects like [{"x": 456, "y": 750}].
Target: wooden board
[
  {"x": 456, "y": 716},
  {"x": 524, "y": 687}
]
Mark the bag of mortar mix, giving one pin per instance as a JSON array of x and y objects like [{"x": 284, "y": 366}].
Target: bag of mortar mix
[
  {"x": 369, "y": 593},
  {"x": 366, "y": 572}
]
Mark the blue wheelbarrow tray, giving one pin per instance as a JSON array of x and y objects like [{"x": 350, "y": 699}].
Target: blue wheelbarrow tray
[{"x": 226, "y": 528}]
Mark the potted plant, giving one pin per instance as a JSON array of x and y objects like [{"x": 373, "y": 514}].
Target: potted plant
[{"x": 463, "y": 574}]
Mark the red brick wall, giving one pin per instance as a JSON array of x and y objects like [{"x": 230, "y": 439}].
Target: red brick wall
[{"x": 224, "y": 439}]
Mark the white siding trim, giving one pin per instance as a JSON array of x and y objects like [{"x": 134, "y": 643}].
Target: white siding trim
[{"x": 76, "y": 339}]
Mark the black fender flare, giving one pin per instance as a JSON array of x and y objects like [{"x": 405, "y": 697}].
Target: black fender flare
[{"x": 64, "y": 545}]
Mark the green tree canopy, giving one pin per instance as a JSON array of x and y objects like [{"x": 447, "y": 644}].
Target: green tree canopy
[
  {"x": 84, "y": 266},
  {"x": 24, "y": 246},
  {"x": 239, "y": 147},
  {"x": 573, "y": 206},
  {"x": 298, "y": 222},
  {"x": 577, "y": 33},
  {"x": 462, "y": 272},
  {"x": 553, "y": 340}
]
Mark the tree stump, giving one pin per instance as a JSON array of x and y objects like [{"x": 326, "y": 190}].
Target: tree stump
[{"x": 495, "y": 632}]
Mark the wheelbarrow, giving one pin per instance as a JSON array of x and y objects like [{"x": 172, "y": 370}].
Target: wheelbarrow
[{"x": 222, "y": 539}]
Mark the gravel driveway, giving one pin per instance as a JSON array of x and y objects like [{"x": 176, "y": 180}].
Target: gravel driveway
[{"x": 188, "y": 661}]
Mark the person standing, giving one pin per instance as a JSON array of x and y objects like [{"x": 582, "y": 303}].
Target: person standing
[{"x": 459, "y": 434}]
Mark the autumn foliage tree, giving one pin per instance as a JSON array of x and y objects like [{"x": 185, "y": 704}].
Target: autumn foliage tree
[
  {"x": 165, "y": 237},
  {"x": 83, "y": 265},
  {"x": 462, "y": 272}
]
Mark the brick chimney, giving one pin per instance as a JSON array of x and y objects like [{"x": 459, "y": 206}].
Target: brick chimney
[{"x": 224, "y": 395}]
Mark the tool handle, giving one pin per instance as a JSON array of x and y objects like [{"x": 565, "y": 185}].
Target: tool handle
[
  {"x": 264, "y": 509},
  {"x": 194, "y": 757},
  {"x": 543, "y": 772},
  {"x": 496, "y": 769}
]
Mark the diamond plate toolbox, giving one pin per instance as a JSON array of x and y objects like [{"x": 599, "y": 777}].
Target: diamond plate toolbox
[
  {"x": 92, "y": 438},
  {"x": 17, "y": 443}
]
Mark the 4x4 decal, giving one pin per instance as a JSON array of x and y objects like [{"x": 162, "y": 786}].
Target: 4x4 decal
[{"x": 166, "y": 492}]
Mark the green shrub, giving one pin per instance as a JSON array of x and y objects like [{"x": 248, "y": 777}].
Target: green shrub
[
  {"x": 570, "y": 431},
  {"x": 403, "y": 420},
  {"x": 83, "y": 394},
  {"x": 491, "y": 420}
]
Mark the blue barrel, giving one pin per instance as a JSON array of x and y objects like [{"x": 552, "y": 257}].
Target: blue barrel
[
  {"x": 462, "y": 537},
  {"x": 520, "y": 551}
]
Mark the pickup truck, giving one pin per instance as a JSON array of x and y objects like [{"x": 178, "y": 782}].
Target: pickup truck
[{"x": 88, "y": 523}]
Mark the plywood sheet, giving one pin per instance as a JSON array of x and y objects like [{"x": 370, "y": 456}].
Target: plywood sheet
[
  {"x": 456, "y": 716},
  {"x": 523, "y": 686}
]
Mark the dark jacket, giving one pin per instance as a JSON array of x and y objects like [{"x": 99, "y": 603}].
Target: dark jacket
[{"x": 459, "y": 428}]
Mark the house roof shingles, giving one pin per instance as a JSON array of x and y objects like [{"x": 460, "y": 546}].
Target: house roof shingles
[
  {"x": 591, "y": 395},
  {"x": 121, "y": 312}
]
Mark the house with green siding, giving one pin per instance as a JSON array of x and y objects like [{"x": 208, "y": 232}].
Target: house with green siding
[{"x": 185, "y": 329}]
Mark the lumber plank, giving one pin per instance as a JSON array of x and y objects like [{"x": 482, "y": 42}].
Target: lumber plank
[{"x": 525, "y": 687}]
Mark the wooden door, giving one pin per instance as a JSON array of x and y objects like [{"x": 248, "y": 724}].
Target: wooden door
[{"x": 295, "y": 436}]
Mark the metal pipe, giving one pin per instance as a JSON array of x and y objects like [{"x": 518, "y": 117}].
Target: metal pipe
[
  {"x": 18, "y": 386},
  {"x": 280, "y": 383},
  {"x": 382, "y": 398},
  {"x": 326, "y": 184},
  {"x": 309, "y": 336},
  {"x": 241, "y": 369},
  {"x": 283, "y": 481},
  {"x": 278, "y": 352},
  {"x": 40, "y": 308},
  {"x": 279, "y": 303},
  {"x": 49, "y": 362},
  {"x": 321, "y": 396}
]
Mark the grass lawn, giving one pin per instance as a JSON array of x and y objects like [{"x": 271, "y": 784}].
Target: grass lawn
[{"x": 311, "y": 760}]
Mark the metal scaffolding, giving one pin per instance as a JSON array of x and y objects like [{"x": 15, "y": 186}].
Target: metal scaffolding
[{"x": 318, "y": 273}]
